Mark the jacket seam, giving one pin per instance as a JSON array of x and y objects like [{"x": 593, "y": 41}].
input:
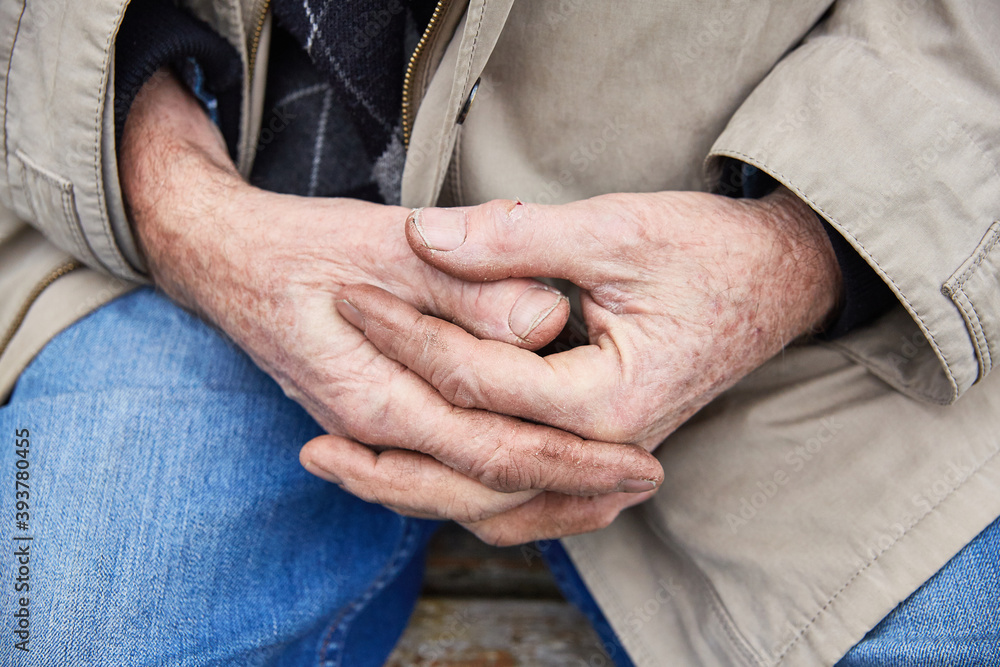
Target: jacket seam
[
  {"x": 468, "y": 75},
  {"x": 979, "y": 257},
  {"x": 882, "y": 373},
  {"x": 954, "y": 288},
  {"x": 472, "y": 53},
  {"x": 6, "y": 93},
  {"x": 64, "y": 188},
  {"x": 847, "y": 584},
  {"x": 707, "y": 592},
  {"x": 458, "y": 191},
  {"x": 976, "y": 324},
  {"x": 862, "y": 251},
  {"x": 117, "y": 256}
]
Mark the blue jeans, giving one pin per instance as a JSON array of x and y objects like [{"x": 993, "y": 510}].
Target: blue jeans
[{"x": 171, "y": 522}]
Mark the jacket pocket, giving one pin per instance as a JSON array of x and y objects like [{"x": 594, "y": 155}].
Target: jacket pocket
[
  {"x": 975, "y": 289},
  {"x": 47, "y": 199}
]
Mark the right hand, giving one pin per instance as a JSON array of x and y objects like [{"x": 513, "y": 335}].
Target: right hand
[{"x": 266, "y": 268}]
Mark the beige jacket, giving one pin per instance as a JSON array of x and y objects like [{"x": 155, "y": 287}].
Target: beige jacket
[{"x": 805, "y": 503}]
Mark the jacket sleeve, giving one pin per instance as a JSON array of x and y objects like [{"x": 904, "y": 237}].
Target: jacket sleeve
[
  {"x": 155, "y": 34},
  {"x": 58, "y": 116},
  {"x": 59, "y": 167},
  {"x": 885, "y": 121},
  {"x": 864, "y": 296}
]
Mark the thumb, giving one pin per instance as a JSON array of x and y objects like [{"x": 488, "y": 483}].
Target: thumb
[{"x": 503, "y": 239}]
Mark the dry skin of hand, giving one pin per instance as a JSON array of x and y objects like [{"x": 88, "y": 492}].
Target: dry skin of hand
[
  {"x": 266, "y": 269},
  {"x": 682, "y": 294}
]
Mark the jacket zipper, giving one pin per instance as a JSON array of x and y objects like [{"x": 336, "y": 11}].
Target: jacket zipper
[
  {"x": 411, "y": 68},
  {"x": 50, "y": 278},
  {"x": 255, "y": 40}
]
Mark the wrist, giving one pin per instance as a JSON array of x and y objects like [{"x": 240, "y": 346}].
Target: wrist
[{"x": 804, "y": 273}]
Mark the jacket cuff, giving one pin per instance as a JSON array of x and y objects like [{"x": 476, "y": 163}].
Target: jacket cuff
[
  {"x": 904, "y": 184},
  {"x": 865, "y": 295},
  {"x": 156, "y": 34}
]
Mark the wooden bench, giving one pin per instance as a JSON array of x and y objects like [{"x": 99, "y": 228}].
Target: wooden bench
[{"x": 488, "y": 607}]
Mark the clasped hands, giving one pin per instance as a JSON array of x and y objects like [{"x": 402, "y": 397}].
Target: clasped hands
[
  {"x": 410, "y": 336},
  {"x": 682, "y": 294}
]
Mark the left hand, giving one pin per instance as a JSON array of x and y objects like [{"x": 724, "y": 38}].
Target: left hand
[{"x": 683, "y": 294}]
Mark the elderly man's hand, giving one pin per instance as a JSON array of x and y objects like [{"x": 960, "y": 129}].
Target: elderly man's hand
[
  {"x": 265, "y": 268},
  {"x": 683, "y": 294}
]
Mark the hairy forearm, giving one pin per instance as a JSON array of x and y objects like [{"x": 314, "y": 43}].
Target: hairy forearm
[{"x": 177, "y": 179}]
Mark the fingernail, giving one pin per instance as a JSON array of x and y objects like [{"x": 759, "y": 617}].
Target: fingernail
[
  {"x": 440, "y": 228},
  {"x": 350, "y": 313},
  {"x": 637, "y": 485},
  {"x": 531, "y": 309}
]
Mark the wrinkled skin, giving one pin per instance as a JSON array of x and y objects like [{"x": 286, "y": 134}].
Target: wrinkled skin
[
  {"x": 683, "y": 294},
  {"x": 265, "y": 269}
]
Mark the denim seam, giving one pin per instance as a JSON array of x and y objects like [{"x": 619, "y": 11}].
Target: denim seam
[
  {"x": 847, "y": 584},
  {"x": 337, "y": 631}
]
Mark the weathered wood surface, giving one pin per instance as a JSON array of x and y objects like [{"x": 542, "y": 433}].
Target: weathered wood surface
[
  {"x": 459, "y": 565},
  {"x": 489, "y": 607},
  {"x": 461, "y": 632}
]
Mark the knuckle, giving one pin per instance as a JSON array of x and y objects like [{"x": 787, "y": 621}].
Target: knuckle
[
  {"x": 458, "y": 385},
  {"x": 401, "y": 471},
  {"x": 497, "y": 209},
  {"x": 587, "y": 521},
  {"x": 462, "y": 510},
  {"x": 356, "y": 428},
  {"x": 364, "y": 405},
  {"x": 505, "y": 472},
  {"x": 499, "y": 216},
  {"x": 417, "y": 345},
  {"x": 565, "y": 458}
]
